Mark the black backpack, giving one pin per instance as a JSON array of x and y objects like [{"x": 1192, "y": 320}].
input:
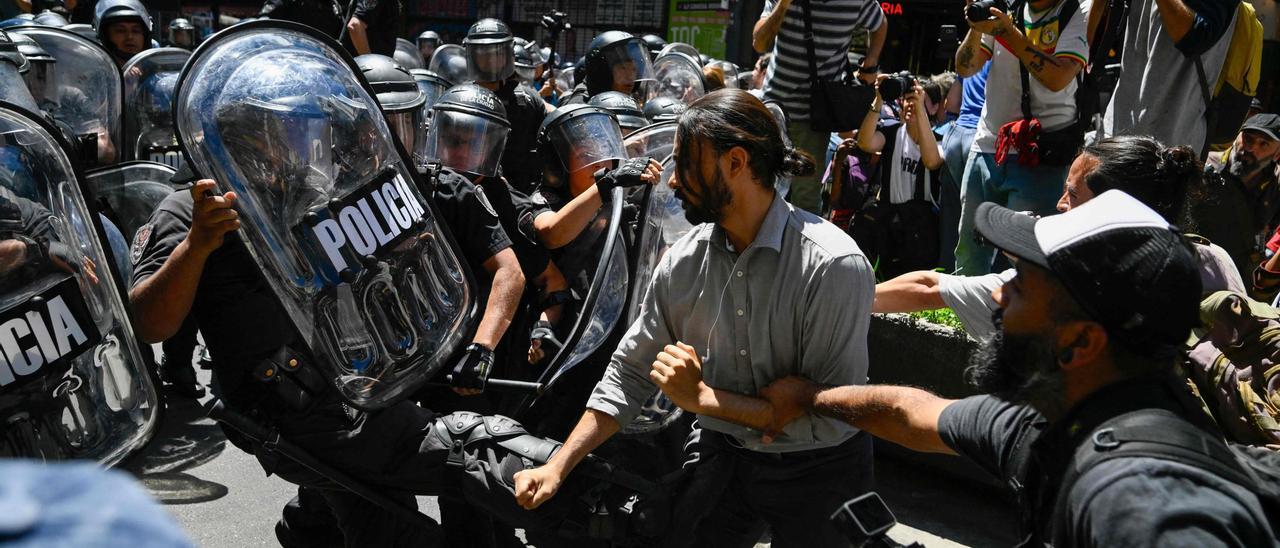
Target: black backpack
[{"x": 1161, "y": 434}]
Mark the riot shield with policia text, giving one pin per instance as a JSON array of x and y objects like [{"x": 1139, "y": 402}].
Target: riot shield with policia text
[
  {"x": 329, "y": 206},
  {"x": 73, "y": 384},
  {"x": 149, "y": 81}
]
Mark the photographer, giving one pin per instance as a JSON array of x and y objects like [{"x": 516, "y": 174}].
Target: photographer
[
  {"x": 787, "y": 79},
  {"x": 1084, "y": 356},
  {"x": 1029, "y": 132}
]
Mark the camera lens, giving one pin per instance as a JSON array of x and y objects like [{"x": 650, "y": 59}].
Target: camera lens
[
  {"x": 893, "y": 87},
  {"x": 981, "y": 10}
]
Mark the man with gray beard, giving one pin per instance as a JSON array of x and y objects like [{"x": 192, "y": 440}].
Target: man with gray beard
[
  {"x": 1246, "y": 210},
  {"x": 1090, "y": 330}
]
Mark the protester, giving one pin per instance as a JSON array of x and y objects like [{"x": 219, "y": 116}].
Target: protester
[
  {"x": 1079, "y": 346},
  {"x": 1166, "y": 179},
  {"x": 957, "y": 140},
  {"x": 780, "y": 31},
  {"x": 1244, "y": 211},
  {"x": 826, "y": 286},
  {"x": 1163, "y": 41},
  {"x": 1047, "y": 42}
]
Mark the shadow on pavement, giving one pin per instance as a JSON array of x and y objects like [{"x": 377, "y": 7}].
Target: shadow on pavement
[{"x": 185, "y": 439}]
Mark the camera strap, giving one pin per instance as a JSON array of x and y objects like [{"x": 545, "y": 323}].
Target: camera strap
[{"x": 808, "y": 41}]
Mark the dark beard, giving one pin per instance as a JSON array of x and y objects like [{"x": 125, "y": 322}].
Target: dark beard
[
  {"x": 1019, "y": 369},
  {"x": 717, "y": 196},
  {"x": 1242, "y": 164}
]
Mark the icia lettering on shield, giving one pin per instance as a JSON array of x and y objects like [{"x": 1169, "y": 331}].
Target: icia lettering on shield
[{"x": 46, "y": 331}]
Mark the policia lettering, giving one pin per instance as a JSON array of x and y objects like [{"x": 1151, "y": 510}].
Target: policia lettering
[
  {"x": 45, "y": 332},
  {"x": 370, "y": 220}
]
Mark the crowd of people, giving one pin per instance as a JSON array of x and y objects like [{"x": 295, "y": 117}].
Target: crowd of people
[{"x": 368, "y": 239}]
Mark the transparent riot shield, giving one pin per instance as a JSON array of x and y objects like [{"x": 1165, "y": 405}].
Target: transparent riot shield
[
  {"x": 81, "y": 89},
  {"x": 659, "y": 226},
  {"x": 131, "y": 191},
  {"x": 678, "y": 76},
  {"x": 330, "y": 209},
  {"x": 450, "y": 62},
  {"x": 73, "y": 384},
  {"x": 595, "y": 264},
  {"x": 149, "y": 81},
  {"x": 407, "y": 55}
]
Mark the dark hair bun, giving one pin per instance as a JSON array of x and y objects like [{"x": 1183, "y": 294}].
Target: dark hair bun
[
  {"x": 1177, "y": 163},
  {"x": 797, "y": 163}
]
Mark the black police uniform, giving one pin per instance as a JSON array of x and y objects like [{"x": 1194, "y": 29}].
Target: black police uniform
[
  {"x": 400, "y": 449},
  {"x": 470, "y": 215},
  {"x": 521, "y": 164}
]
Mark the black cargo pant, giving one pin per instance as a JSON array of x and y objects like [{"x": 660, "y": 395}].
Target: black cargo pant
[
  {"x": 732, "y": 495},
  {"x": 396, "y": 451}
]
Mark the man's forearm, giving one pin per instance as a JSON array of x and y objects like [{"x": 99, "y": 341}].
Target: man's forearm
[
  {"x": 1177, "y": 16},
  {"x": 359, "y": 38},
  {"x": 504, "y": 299},
  {"x": 767, "y": 27},
  {"x": 593, "y": 429},
  {"x": 910, "y": 292},
  {"x": 1051, "y": 71},
  {"x": 970, "y": 56},
  {"x": 748, "y": 411},
  {"x": 876, "y": 44},
  {"x": 163, "y": 301},
  {"x": 903, "y": 415}
]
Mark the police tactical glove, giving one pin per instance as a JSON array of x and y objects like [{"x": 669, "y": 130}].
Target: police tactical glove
[
  {"x": 629, "y": 174},
  {"x": 472, "y": 371},
  {"x": 543, "y": 331}
]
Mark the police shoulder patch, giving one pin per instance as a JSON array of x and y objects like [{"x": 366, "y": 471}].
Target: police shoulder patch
[
  {"x": 140, "y": 241},
  {"x": 484, "y": 200}
]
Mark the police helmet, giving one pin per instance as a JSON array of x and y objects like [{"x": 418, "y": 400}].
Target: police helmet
[
  {"x": 577, "y": 137},
  {"x": 490, "y": 53},
  {"x": 623, "y": 107},
  {"x": 468, "y": 130},
  {"x": 182, "y": 33},
  {"x": 429, "y": 38},
  {"x": 398, "y": 96},
  {"x": 681, "y": 47},
  {"x": 527, "y": 58},
  {"x": 450, "y": 62},
  {"x": 432, "y": 85},
  {"x": 655, "y": 44},
  {"x": 51, "y": 19},
  {"x": 118, "y": 11},
  {"x": 617, "y": 61},
  {"x": 663, "y": 108}
]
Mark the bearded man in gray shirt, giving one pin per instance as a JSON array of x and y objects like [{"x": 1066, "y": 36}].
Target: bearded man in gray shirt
[{"x": 760, "y": 292}]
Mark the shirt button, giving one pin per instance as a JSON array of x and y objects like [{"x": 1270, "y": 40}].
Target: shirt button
[
  {"x": 742, "y": 352},
  {"x": 740, "y": 312},
  {"x": 741, "y": 273}
]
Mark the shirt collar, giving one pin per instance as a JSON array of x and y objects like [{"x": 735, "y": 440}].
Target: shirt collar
[{"x": 771, "y": 230}]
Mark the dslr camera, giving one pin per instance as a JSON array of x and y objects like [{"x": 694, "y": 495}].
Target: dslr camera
[
  {"x": 896, "y": 85},
  {"x": 981, "y": 10}
]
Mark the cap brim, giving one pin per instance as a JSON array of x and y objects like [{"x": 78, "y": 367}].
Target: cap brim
[
  {"x": 1011, "y": 232},
  {"x": 1268, "y": 132}
]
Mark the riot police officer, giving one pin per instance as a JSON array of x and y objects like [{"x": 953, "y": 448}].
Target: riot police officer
[
  {"x": 615, "y": 61},
  {"x": 182, "y": 34},
  {"x": 124, "y": 27},
  {"x": 314, "y": 187},
  {"x": 663, "y": 109},
  {"x": 491, "y": 58},
  {"x": 428, "y": 41},
  {"x": 655, "y": 44}
]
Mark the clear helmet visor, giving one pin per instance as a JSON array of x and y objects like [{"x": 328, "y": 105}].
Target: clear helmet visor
[
  {"x": 406, "y": 54},
  {"x": 408, "y": 127},
  {"x": 491, "y": 62},
  {"x": 450, "y": 62},
  {"x": 466, "y": 142},
  {"x": 82, "y": 89},
  {"x": 629, "y": 64},
  {"x": 585, "y": 141},
  {"x": 677, "y": 77}
]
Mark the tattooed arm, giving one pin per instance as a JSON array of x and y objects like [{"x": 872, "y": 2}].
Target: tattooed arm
[
  {"x": 1054, "y": 72},
  {"x": 970, "y": 56}
]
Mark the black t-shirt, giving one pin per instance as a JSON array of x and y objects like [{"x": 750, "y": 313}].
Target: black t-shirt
[
  {"x": 521, "y": 164},
  {"x": 471, "y": 218},
  {"x": 382, "y": 19},
  {"x": 1122, "y": 502},
  {"x": 507, "y": 201},
  {"x": 239, "y": 316}
]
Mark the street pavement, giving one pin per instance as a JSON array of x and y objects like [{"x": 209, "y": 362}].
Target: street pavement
[{"x": 222, "y": 498}]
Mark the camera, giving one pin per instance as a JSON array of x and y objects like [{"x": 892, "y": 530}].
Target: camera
[
  {"x": 555, "y": 22},
  {"x": 981, "y": 10},
  {"x": 893, "y": 87}
]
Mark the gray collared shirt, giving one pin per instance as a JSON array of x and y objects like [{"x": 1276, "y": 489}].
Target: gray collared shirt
[{"x": 797, "y": 301}]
